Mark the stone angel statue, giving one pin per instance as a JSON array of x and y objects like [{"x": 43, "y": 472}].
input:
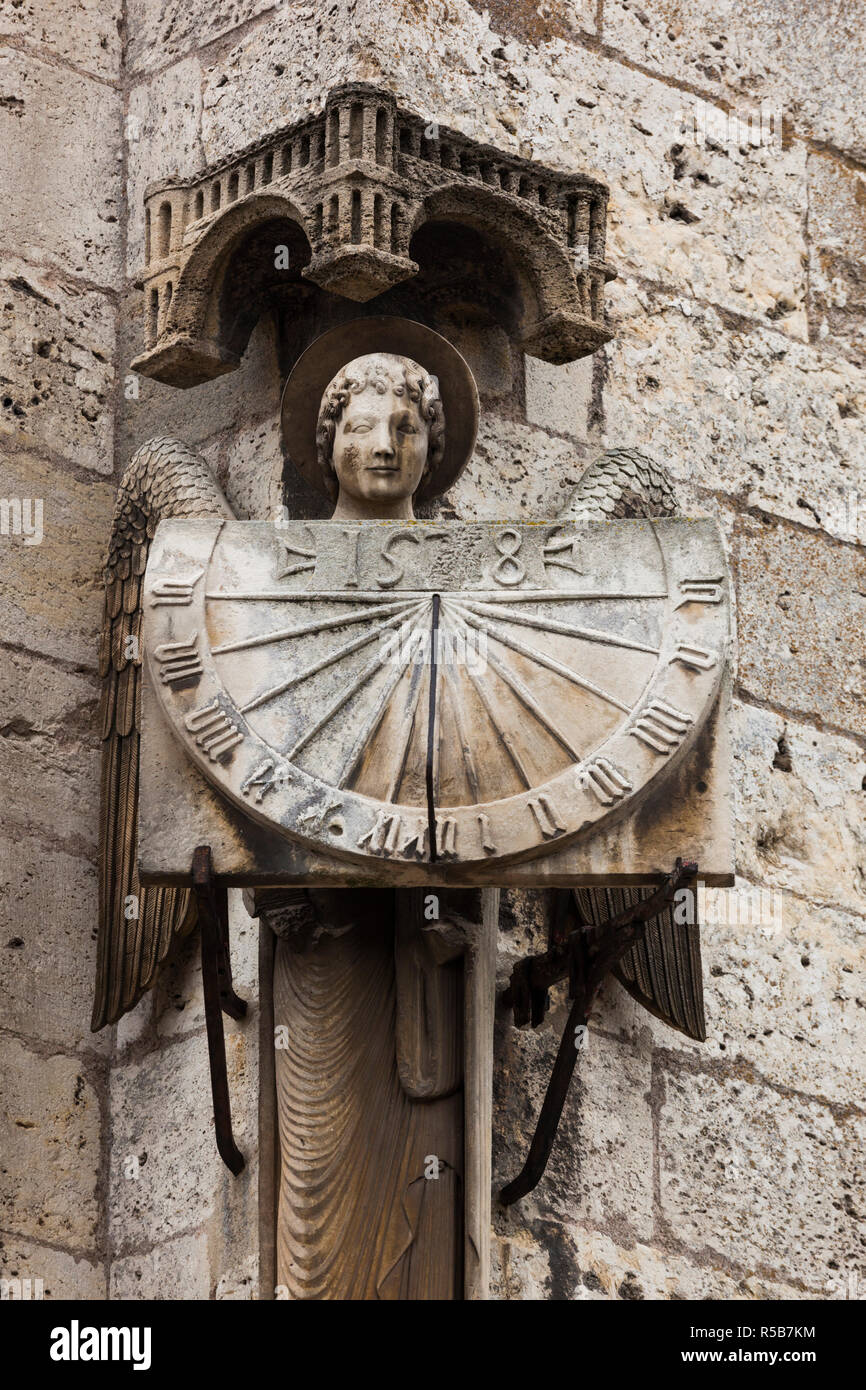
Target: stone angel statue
[{"x": 369, "y": 997}]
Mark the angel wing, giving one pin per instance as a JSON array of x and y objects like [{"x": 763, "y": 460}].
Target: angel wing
[
  {"x": 137, "y": 925},
  {"x": 663, "y": 972}
]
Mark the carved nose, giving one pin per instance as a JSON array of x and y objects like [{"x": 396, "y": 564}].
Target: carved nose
[{"x": 384, "y": 447}]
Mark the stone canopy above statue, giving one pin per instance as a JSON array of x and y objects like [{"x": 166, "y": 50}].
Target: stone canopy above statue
[{"x": 343, "y": 201}]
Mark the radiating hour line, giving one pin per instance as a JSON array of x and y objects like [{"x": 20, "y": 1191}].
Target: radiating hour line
[
  {"x": 368, "y": 732},
  {"x": 352, "y": 689},
  {"x": 409, "y": 713},
  {"x": 588, "y": 634},
  {"x": 507, "y": 640},
  {"x": 337, "y": 655},
  {"x": 505, "y": 739},
  {"x": 460, "y": 720},
  {"x": 311, "y": 595},
  {"x": 530, "y": 703},
  {"x": 321, "y": 625},
  {"x": 543, "y": 595}
]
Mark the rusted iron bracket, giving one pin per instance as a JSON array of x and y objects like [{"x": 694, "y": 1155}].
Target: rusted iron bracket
[
  {"x": 219, "y": 996},
  {"x": 527, "y": 996}
]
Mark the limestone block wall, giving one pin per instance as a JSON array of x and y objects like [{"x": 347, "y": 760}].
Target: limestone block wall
[
  {"x": 61, "y": 252},
  {"x": 731, "y": 1169}
]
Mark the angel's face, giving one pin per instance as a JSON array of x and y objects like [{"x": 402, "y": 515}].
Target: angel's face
[{"x": 379, "y": 453}]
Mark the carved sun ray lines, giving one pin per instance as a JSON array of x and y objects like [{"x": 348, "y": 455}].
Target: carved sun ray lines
[
  {"x": 530, "y": 703},
  {"x": 368, "y": 732},
  {"x": 506, "y": 640},
  {"x": 459, "y": 711},
  {"x": 408, "y": 639},
  {"x": 503, "y": 735},
  {"x": 545, "y": 624},
  {"x": 409, "y": 715},
  {"x": 319, "y": 625},
  {"x": 337, "y": 655}
]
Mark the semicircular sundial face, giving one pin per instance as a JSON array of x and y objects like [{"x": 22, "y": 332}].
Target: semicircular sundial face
[{"x": 417, "y": 691}]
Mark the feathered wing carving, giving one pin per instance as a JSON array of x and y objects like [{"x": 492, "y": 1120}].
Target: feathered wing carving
[
  {"x": 663, "y": 972},
  {"x": 164, "y": 478}
]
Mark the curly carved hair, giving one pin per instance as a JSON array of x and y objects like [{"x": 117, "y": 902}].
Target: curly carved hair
[{"x": 380, "y": 371}]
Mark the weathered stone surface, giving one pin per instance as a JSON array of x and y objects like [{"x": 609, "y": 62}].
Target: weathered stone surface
[
  {"x": 49, "y": 752},
  {"x": 803, "y": 59},
  {"x": 568, "y": 1262},
  {"x": 800, "y": 828},
  {"x": 503, "y": 478},
  {"x": 52, "y": 592},
  {"x": 50, "y": 1124},
  {"x": 47, "y": 950},
  {"x": 160, "y": 34},
  {"x": 559, "y": 397},
  {"x": 601, "y": 1167},
  {"x": 167, "y": 1177},
  {"x": 777, "y": 424},
  {"x": 772, "y": 1182},
  {"x": 56, "y": 354},
  {"x": 249, "y": 465},
  {"x": 64, "y": 213},
  {"x": 801, "y": 616},
  {"x": 86, "y": 35},
  {"x": 786, "y": 994},
  {"x": 782, "y": 981},
  {"x": 176, "y": 1269},
  {"x": 62, "y": 1276},
  {"x": 273, "y": 75},
  {"x": 239, "y": 1284},
  {"x": 837, "y": 251}
]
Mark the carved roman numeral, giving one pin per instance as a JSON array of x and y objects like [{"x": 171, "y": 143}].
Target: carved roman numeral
[
  {"x": 488, "y": 844},
  {"x": 179, "y": 661},
  {"x": 174, "y": 592},
  {"x": 383, "y": 835},
  {"x": 319, "y": 815},
  {"x": 661, "y": 726},
  {"x": 695, "y": 657},
  {"x": 556, "y": 548},
  {"x": 700, "y": 591},
  {"x": 547, "y": 817},
  {"x": 414, "y": 846},
  {"x": 446, "y": 837},
  {"x": 215, "y": 733},
  {"x": 604, "y": 780},
  {"x": 306, "y": 562},
  {"x": 263, "y": 779}
]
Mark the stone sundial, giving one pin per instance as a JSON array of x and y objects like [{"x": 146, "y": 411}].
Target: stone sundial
[{"x": 352, "y": 684}]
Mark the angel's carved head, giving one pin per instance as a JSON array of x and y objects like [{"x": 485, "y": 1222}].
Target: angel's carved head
[{"x": 381, "y": 428}]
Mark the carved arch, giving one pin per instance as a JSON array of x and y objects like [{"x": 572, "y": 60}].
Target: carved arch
[
  {"x": 554, "y": 316},
  {"x": 212, "y": 301}
]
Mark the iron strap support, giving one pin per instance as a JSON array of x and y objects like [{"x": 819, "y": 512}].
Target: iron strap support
[
  {"x": 527, "y": 996},
  {"x": 219, "y": 997}
]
